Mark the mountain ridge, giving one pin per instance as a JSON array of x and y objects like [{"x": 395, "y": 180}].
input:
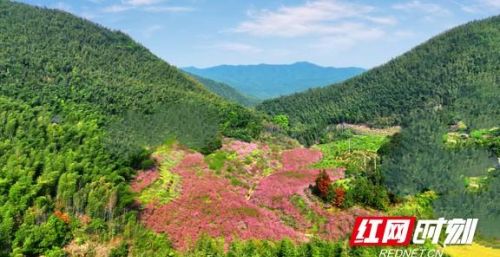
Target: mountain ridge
[{"x": 272, "y": 80}]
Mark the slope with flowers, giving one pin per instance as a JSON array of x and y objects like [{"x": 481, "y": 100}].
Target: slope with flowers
[{"x": 242, "y": 191}]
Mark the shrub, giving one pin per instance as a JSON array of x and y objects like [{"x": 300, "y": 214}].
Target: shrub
[
  {"x": 281, "y": 120},
  {"x": 322, "y": 186},
  {"x": 120, "y": 251},
  {"x": 339, "y": 197}
]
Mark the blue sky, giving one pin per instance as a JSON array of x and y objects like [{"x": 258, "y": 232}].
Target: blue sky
[{"x": 327, "y": 32}]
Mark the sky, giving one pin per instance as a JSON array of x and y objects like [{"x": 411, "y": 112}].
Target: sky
[{"x": 339, "y": 33}]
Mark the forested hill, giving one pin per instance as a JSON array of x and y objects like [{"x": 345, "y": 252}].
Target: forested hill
[
  {"x": 273, "y": 80},
  {"x": 445, "y": 94},
  {"x": 80, "y": 107},
  {"x": 226, "y": 91},
  {"x": 433, "y": 74},
  {"x": 52, "y": 58}
]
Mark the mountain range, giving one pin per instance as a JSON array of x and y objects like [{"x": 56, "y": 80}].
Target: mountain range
[{"x": 272, "y": 80}]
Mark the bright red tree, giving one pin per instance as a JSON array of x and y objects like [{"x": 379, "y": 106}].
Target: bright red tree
[{"x": 323, "y": 182}]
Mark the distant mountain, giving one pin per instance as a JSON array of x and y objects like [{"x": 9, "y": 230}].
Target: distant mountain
[
  {"x": 270, "y": 80},
  {"x": 226, "y": 91}
]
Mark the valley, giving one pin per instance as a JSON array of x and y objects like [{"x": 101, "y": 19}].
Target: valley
[{"x": 108, "y": 150}]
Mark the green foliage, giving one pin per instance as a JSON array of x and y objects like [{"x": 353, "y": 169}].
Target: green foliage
[
  {"x": 120, "y": 251},
  {"x": 216, "y": 160},
  {"x": 33, "y": 239},
  {"x": 141, "y": 242},
  {"x": 305, "y": 210},
  {"x": 47, "y": 165},
  {"x": 419, "y": 205},
  {"x": 363, "y": 191},
  {"x": 419, "y": 160},
  {"x": 281, "y": 120},
  {"x": 488, "y": 138}
]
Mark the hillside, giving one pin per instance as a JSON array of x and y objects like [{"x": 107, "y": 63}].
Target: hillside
[
  {"x": 435, "y": 74},
  {"x": 106, "y": 71},
  {"x": 267, "y": 80},
  {"x": 80, "y": 107},
  {"x": 226, "y": 91},
  {"x": 445, "y": 94}
]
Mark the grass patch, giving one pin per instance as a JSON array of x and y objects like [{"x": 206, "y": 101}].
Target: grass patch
[
  {"x": 489, "y": 138},
  {"x": 293, "y": 174},
  {"x": 315, "y": 219},
  {"x": 419, "y": 205},
  {"x": 236, "y": 182},
  {"x": 167, "y": 186},
  {"x": 355, "y": 153},
  {"x": 216, "y": 160},
  {"x": 247, "y": 211}
]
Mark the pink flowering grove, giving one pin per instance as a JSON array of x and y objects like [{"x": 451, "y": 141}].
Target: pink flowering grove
[
  {"x": 210, "y": 204},
  {"x": 241, "y": 148}
]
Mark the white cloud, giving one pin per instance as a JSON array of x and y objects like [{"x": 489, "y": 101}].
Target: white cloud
[
  {"x": 347, "y": 37},
  {"x": 160, "y": 9},
  {"x": 146, "y": 6},
  {"x": 140, "y": 2},
  {"x": 383, "y": 20},
  {"x": 116, "y": 8},
  {"x": 478, "y": 6},
  {"x": 320, "y": 17},
  {"x": 237, "y": 47},
  {"x": 419, "y": 6},
  {"x": 492, "y": 3}
]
